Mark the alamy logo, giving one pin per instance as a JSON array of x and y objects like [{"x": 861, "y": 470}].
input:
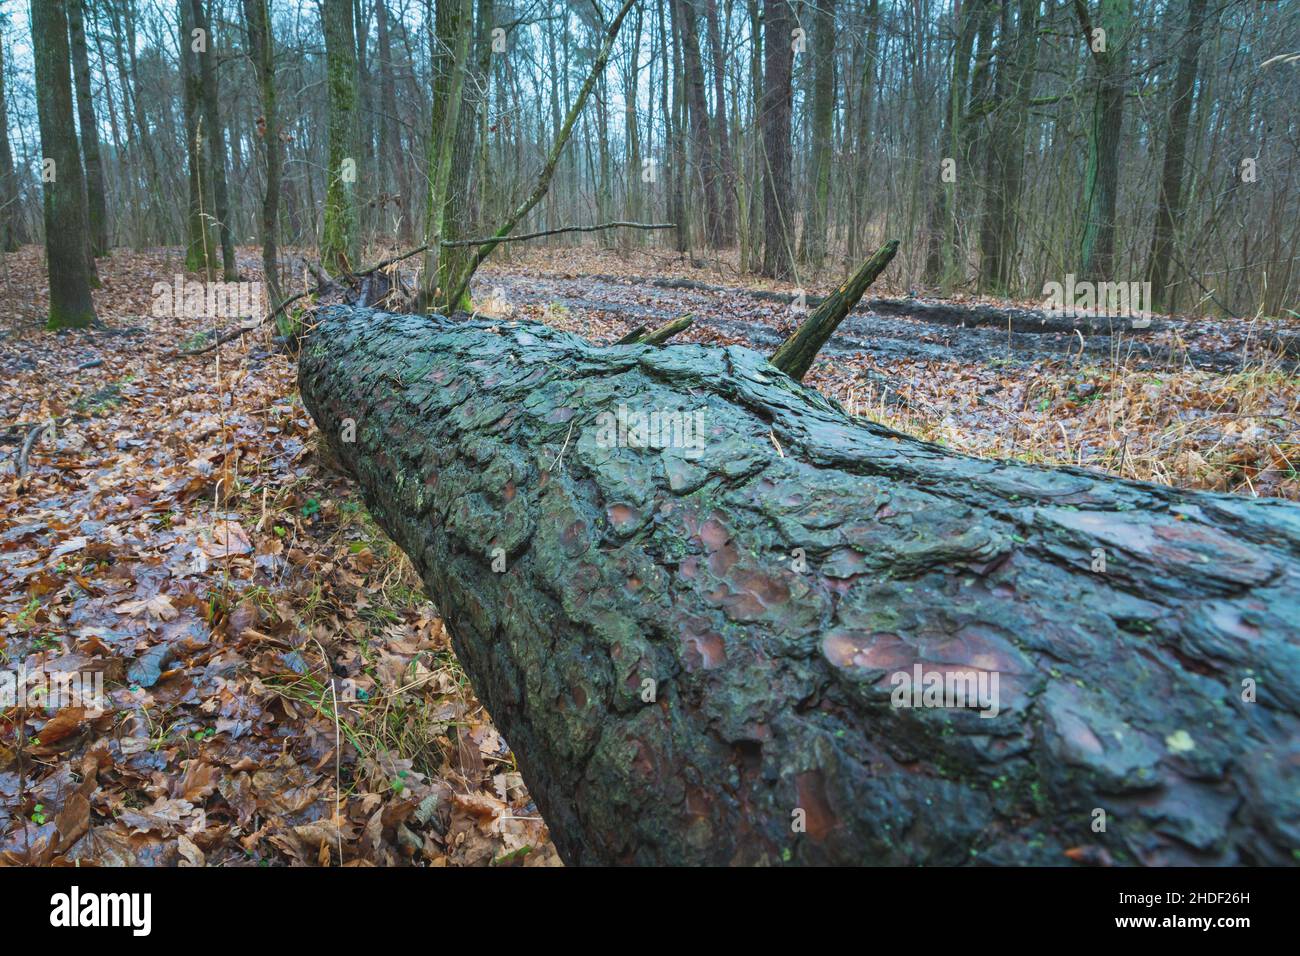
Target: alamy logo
[
  {"x": 1074, "y": 298},
  {"x": 974, "y": 689},
  {"x": 654, "y": 429},
  {"x": 75, "y": 908},
  {"x": 208, "y": 300},
  {"x": 53, "y": 690}
]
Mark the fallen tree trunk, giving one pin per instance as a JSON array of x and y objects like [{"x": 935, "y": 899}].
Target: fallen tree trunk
[{"x": 694, "y": 650}]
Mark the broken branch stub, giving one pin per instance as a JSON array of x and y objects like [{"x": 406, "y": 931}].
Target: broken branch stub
[{"x": 796, "y": 354}]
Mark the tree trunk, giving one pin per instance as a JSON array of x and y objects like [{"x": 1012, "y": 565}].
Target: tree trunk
[
  {"x": 209, "y": 99},
  {"x": 389, "y": 128},
  {"x": 459, "y": 221},
  {"x": 95, "y": 205},
  {"x": 1169, "y": 205},
  {"x": 632, "y": 204},
  {"x": 726, "y": 160},
  {"x": 453, "y": 27},
  {"x": 700, "y": 653},
  {"x": 13, "y": 226},
  {"x": 678, "y": 211},
  {"x": 338, "y": 246},
  {"x": 261, "y": 44},
  {"x": 752, "y": 244},
  {"x": 812, "y": 247},
  {"x": 705, "y": 150},
  {"x": 1105, "y": 128},
  {"x": 543, "y": 184},
  {"x": 1017, "y": 60},
  {"x": 941, "y": 234},
  {"x": 201, "y": 244},
  {"x": 124, "y": 48},
  {"x": 66, "y": 225},
  {"x": 860, "y": 189},
  {"x": 778, "y": 97}
]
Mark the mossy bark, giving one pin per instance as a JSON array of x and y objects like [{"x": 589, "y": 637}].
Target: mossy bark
[
  {"x": 339, "y": 239},
  {"x": 692, "y": 655}
]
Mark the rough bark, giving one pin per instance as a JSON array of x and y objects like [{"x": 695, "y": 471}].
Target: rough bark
[
  {"x": 690, "y": 656},
  {"x": 66, "y": 259}
]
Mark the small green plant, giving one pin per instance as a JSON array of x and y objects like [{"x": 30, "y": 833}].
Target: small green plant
[
  {"x": 24, "y": 619},
  {"x": 38, "y": 812}
]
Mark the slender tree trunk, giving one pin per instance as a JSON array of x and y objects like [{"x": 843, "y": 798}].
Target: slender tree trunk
[
  {"x": 339, "y": 238},
  {"x": 631, "y": 133},
  {"x": 1169, "y": 201},
  {"x": 89, "y": 129},
  {"x": 66, "y": 223},
  {"x": 201, "y": 238},
  {"x": 704, "y": 149},
  {"x": 1007, "y": 162},
  {"x": 812, "y": 246},
  {"x": 941, "y": 238},
  {"x": 210, "y": 98},
  {"x": 454, "y": 28},
  {"x": 1105, "y": 129},
  {"x": 367, "y": 191},
  {"x": 778, "y": 98},
  {"x": 752, "y": 248},
  {"x": 458, "y": 220},
  {"x": 13, "y": 226},
  {"x": 861, "y": 190},
  {"x": 261, "y": 45},
  {"x": 681, "y": 211},
  {"x": 123, "y": 32},
  {"x": 552, "y": 158},
  {"x": 389, "y": 136},
  {"x": 726, "y": 159}
]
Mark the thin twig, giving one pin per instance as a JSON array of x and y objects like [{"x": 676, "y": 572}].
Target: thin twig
[{"x": 242, "y": 329}]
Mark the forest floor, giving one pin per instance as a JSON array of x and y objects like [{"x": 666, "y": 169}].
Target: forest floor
[{"x": 280, "y": 691}]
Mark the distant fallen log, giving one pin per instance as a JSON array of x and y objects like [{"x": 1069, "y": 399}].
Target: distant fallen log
[
  {"x": 719, "y": 621},
  {"x": 960, "y": 314}
]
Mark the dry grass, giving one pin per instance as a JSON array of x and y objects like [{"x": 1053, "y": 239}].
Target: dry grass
[{"x": 1236, "y": 432}]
